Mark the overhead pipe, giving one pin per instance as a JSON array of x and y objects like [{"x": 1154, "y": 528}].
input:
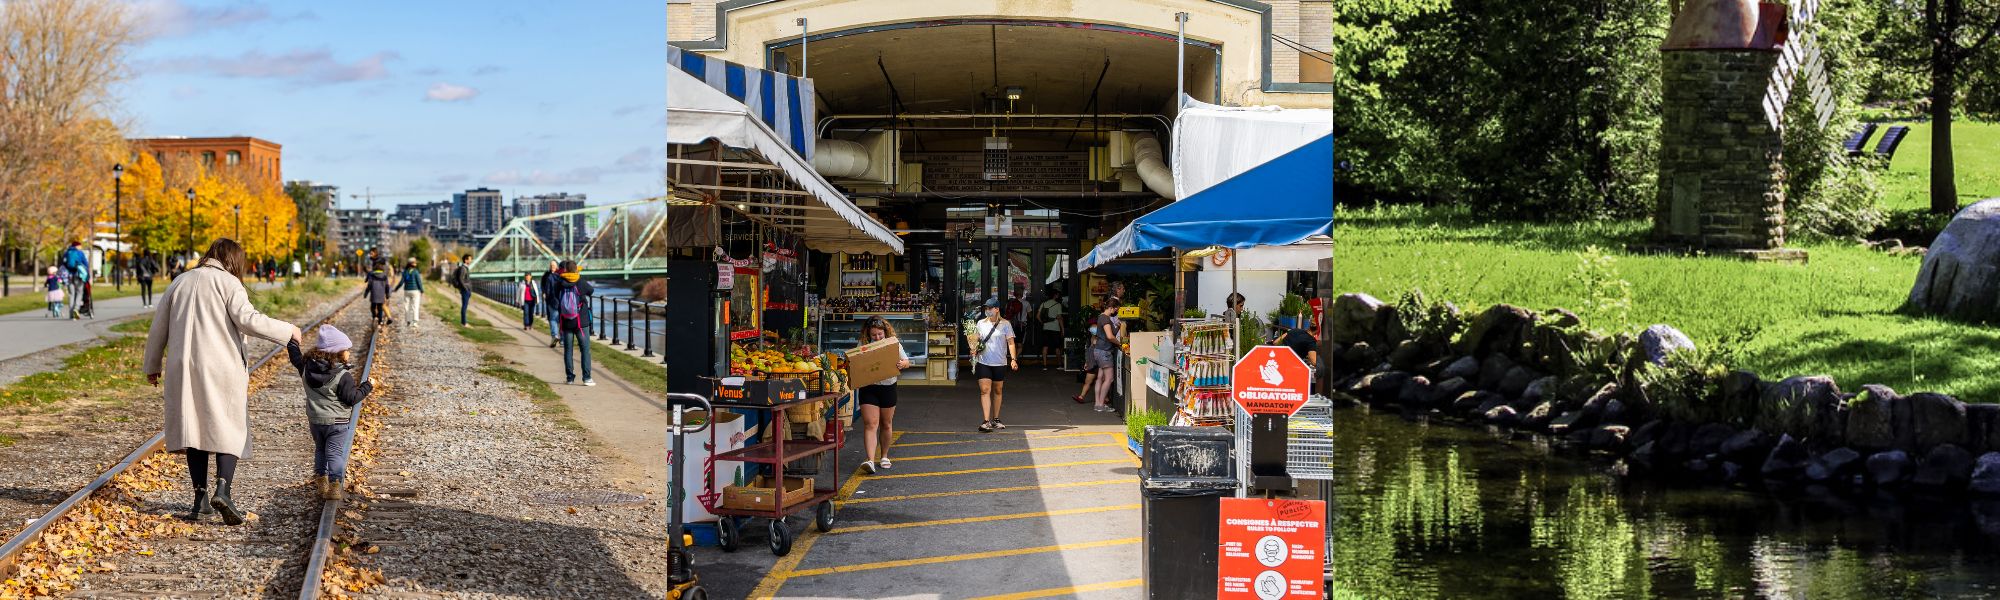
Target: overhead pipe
[
  {"x": 839, "y": 158},
  {"x": 1152, "y": 166}
]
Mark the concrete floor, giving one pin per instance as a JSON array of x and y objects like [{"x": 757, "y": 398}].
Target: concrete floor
[{"x": 1047, "y": 508}]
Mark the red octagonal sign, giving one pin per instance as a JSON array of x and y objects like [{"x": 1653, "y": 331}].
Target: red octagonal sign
[{"x": 1271, "y": 380}]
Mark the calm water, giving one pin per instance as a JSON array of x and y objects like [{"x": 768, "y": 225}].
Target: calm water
[{"x": 1446, "y": 511}]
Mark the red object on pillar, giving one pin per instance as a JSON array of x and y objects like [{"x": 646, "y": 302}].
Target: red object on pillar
[
  {"x": 1271, "y": 548},
  {"x": 1270, "y": 380}
]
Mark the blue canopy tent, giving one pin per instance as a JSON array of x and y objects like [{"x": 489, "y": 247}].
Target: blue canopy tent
[{"x": 1280, "y": 202}]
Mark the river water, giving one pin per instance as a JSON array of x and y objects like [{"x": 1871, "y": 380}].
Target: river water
[{"x": 1441, "y": 510}]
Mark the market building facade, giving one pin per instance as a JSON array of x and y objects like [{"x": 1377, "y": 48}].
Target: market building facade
[{"x": 1002, "y": 140}]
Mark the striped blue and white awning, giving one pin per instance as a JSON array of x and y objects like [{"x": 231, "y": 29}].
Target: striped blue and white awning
[{"x": 782, "y": 102}]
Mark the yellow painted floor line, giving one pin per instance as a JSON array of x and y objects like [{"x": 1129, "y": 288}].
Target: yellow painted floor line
[
  {"x": 767, "y": 587},
  {"x": 1065, "y": 591},
  {"x": 1018, "y": 488},
  {"x": 1118, "y": 461},
  {"x": 999, "y": 434},
  {"x": 1013, "y": 451},
  {"x": 890, "y": 564},
  {"x": 1011, "y": 439},
  {"x": 1031, "y": 515}
]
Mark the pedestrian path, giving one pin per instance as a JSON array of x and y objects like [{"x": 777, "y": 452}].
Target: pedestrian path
[
  {"x": 1047, "y": 508},
  {"x": 32, "y": 331}
]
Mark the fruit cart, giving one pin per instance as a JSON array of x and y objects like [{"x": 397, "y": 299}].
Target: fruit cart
[{"x": 778, "y": 452}]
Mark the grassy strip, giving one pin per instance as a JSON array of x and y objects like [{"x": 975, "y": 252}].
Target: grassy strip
[
  {"x": 1838, "y": 315},
  {"x": 35, "y": 298},
  {"x": 112, "y": 370},
  {"x": 481, "y": 331},
  {"x": 1975, "y": 153},
  {"x": 648, "y": 375}
]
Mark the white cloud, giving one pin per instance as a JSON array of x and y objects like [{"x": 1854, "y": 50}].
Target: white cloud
[
  {"x": 445, "y": 92},
  {"x": 175, "y": 18},
  {"x": 305, "y": 67},
  {"x": 540, "y": 178},
  {"x": 638, "y": 160}
]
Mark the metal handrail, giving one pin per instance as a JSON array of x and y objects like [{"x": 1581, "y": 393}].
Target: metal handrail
[{"x": 11, "y": 551}]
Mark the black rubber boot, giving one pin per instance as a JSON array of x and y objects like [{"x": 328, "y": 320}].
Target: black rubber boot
[
  {"x": 200, "y": 505},
  {"x": 222, "y": 504}
]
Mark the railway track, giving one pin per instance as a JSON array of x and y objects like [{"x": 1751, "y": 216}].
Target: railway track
[{"x": 290, "y": 539}]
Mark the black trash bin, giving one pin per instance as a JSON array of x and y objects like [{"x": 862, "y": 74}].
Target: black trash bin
[{"x": 1187, "y": 471}]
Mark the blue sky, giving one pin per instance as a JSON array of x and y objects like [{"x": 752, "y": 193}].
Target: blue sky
[{"x": 425, "y": 96}]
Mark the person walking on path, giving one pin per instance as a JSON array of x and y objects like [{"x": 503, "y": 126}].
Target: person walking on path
[
  {"x": 1104, "y": 351},
  {"x": 878, "y": 400},
  {"x": 460, "y": 278},
  {"x": 549, "y": 281},
  {"x": 54, "y": 292},
  {"x": 331, "y": 393},
  {"x": 1050, "y": 313},
  {"x": 572, "y": 299},
  {"x": 196, "y": 347},
  {"x": 76, "y": 265},
  {"x": 993, "y": 356},
  {"x": 147, "y": 268},
  {"x": 378, "y": 294},
  {"x": 412, "y": 287},
  {"x": 528, "y": 297}
]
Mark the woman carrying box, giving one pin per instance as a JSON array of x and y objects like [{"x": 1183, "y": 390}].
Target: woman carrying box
[{"x": 878, "y": 400}]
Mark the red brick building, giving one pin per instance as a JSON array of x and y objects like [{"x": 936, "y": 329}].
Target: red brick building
[{"x": 249, "y": 159}]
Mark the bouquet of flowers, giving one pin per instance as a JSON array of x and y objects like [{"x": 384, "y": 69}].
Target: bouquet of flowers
[{"x": 972, "y": 337}]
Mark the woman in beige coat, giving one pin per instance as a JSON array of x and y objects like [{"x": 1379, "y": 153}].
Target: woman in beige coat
[{"x": 197, "y": 343}]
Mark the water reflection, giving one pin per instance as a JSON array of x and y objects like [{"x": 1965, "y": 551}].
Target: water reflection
[{"x": 1444, "y": 511}]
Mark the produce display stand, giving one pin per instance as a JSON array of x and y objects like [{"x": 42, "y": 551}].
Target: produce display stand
[{"x": 777, "y": 453}]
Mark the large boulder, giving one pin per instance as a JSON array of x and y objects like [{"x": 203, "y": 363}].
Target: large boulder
[
  {"x": 1516, "y": 381},
  {"x": 1381, "y": 387},
  {"x": 1871, "y": 418},
  {"x": 1837, "y": 464},
  {"x": 1659, "y": 341},
  {"x": 1443, "y": 392},
  {"x": 1465, "y": 367},
  {"x": 1961, "y": 273},
  {"x": 1494, "y": 370},
  {"x": 1468, "y": 403},
  {"x": 1935, "y": 419},
  {"x": 1787, "y": 459},
  {"x": 1982, "y": 427},
  {"x": 1796, "y": 406},
  {"x": 1416, "y": 393},
  {"x": 1408, "y": 355},
  {"x": 1539, "y": 389},
  {"x": 1946, "y": 466},
  {"x": 1746, "y": 446},
  {"x": 1357, "y": 318},
  {"x": 1708, "y": 439},
  {"x": 1889, "y": 468},
  {"x": 1986, "y": 475},
  {"x": 1500, "y": 329}
]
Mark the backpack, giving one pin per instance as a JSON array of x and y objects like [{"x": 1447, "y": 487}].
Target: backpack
[{"x": 571, "y": 307}]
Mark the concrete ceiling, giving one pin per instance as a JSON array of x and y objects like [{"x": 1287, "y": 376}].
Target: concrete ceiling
[{"x": 947, "y": 68}]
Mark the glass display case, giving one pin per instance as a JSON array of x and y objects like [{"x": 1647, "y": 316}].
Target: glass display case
[{"x": 842, "y": 331}]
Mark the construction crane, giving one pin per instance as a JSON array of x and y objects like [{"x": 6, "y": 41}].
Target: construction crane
[{"x": 370, "y": 196}]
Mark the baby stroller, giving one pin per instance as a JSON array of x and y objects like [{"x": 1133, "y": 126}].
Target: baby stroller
[
  {"x": 686, "y": 584},
  {"x": 83, "y": 305}
]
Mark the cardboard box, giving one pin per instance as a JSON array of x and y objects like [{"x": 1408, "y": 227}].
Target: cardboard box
[
  {"x": 759, "y": 495},
  {"x": 872, "y": 362}
]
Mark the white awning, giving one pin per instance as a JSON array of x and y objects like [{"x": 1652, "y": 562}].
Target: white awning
[
  {"x": 824, "y": 218},
  {"x": 1213, "y": 143}
]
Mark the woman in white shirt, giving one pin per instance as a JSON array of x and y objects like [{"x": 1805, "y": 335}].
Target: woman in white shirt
[
  {"x": 993, "y": 356},
  {"x": 878, "y": 400}
]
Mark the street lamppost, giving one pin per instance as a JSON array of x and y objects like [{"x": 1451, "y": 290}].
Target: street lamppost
[
  {"x": 264, "y": 237},
  {"x": 190, "y": 246},
  {"x": 117, "y": 220},
  {"x": 239, "y": 222}
]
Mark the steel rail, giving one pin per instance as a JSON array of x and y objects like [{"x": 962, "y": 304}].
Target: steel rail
[
  {"x": 11, "y": 551},
  {"x": 322, "y": 545}
]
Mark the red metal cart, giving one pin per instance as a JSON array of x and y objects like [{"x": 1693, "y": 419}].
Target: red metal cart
[{"x": 778, "y": 452}]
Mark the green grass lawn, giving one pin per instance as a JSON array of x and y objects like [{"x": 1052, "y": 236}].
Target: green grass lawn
[
  {"x": 1975, "y": 153},
  {"x": 33, "y": 298},
  {"x": 1837, "y": 315}
]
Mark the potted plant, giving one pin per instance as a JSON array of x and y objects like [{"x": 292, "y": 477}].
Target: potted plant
[{"x": 1291, "y": 311}]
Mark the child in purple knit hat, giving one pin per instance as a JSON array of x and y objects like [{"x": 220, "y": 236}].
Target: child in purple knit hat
[{"x": 332, "y": 391}]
